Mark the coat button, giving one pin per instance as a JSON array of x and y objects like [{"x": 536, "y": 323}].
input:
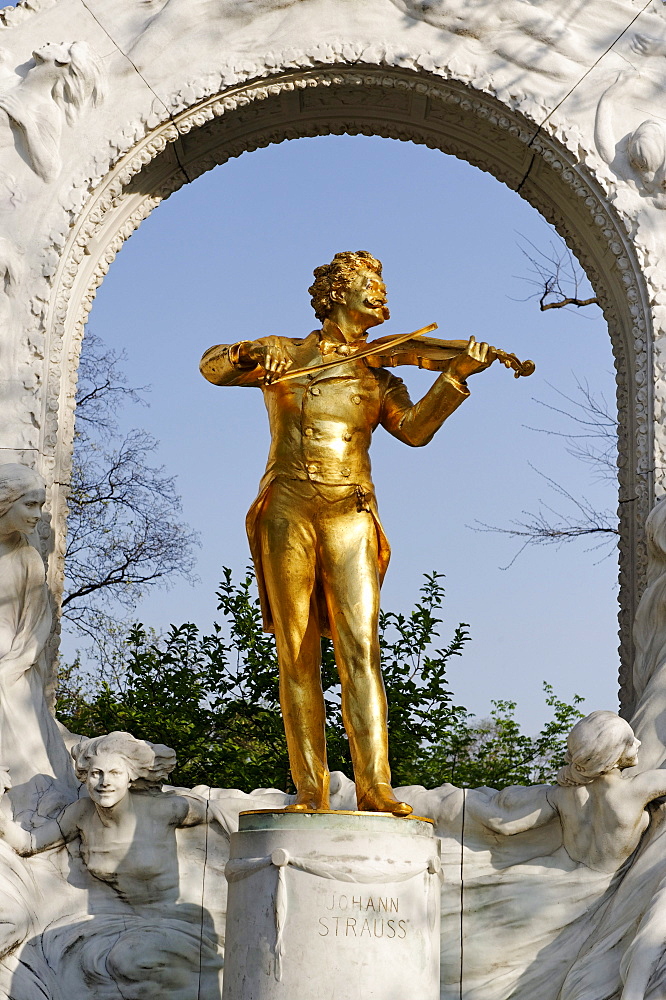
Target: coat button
[
  {"x": 346, "y": 437},
  {"x": 311, "y": 468},
  {"x": 346, "y": 472},
  {"x": 356, "y": 399},
  {"x": 309, "y": 432},
  {"x": 315, "y": 391}
]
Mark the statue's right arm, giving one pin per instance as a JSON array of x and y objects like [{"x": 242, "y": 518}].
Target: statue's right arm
[
  {"x": 249, "y": 362},
  {"x": 222, "y": 365}
]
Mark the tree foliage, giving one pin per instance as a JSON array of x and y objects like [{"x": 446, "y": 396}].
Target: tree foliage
[{"x": 214, "y": 698}]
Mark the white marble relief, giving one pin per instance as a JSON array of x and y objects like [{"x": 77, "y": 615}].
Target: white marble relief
[
  {"x": 65, "y": 170},
  {"x": 123, "y": 891},
  {"x": 212, "y": 15},
  {"x": 625, "y": 956},
  {"x": 539, "y": 864},
  {"x": 125, "y": 828},
  {"x": 61, "y": 80},
  {"x": 30, "y": 743},
  {"x": 139, "y": 903},
  {"x": 639, "y": 155},
  {"x": 649, "y": 669},
  {"x": 547, "y": 39}
]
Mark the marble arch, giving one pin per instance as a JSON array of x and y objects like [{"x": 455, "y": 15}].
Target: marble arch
[{"x": 164, "y": 90}]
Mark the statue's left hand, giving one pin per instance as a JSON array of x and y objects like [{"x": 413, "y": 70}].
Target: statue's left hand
[{"x": 474, "y": 359}]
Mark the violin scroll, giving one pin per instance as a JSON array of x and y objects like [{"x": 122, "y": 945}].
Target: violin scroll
[{"x": 520, "y": 368}]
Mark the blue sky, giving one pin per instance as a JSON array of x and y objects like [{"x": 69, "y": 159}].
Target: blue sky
[{"x": 231, "y": 257}]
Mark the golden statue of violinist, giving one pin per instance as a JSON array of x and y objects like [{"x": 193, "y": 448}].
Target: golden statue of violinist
[{"x": 317, "y": 543}]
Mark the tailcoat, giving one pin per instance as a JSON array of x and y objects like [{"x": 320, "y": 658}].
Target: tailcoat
[{"x": 321, "y": 427}]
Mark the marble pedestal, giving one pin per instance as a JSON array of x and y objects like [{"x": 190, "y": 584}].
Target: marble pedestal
[{"x": 332, "y": 905}]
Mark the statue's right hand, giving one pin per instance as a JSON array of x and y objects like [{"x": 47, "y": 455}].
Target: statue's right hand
[{"x": 271, "y": 355}]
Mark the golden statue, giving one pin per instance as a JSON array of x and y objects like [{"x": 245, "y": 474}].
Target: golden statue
[{"x": 318, "y": 546}]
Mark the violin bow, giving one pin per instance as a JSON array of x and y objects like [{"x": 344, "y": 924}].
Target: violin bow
[{"x": 363, "y": 352}]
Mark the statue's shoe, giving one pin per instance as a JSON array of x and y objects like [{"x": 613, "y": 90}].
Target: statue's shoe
[
  {"x": 307, "y": 802},
  {"x": 380, "y": 798}
]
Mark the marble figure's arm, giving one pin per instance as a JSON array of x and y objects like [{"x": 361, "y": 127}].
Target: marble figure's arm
[
  {"x": 513, "y": 810},
  {"x": 193, "y": 810},
  {"x": 51, "y": 834},
  {"x": 61, "y": 830},
  {"x": 603, "y": 122},
  {"x": 649, "y": 785}
]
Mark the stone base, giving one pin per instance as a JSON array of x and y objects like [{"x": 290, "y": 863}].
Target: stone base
[{"x": 332, "y": 905}]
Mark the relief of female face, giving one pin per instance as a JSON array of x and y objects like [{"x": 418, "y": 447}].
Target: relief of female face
[
  {"x": 24, "y": 514},
  {"x": 52, "y": 53},
  {"x": 108, "y": 779},
  {"x": 629, "y": 757}
]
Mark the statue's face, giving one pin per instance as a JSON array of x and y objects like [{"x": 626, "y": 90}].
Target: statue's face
[
  {"x": 108, "y": 779},
  {"x": 24, "y": 513},
  {"x": 630, "y": 757},
  {"x": 52, "y": 52},
  {"x": 365, "y": 299}
]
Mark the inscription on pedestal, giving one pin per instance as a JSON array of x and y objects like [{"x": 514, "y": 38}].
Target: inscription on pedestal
[{"x": 370, "y": 917}]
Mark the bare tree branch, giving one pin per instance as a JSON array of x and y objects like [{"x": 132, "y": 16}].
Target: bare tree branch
[
  {"x": 563, "y": 303},
  {"x": 124, "y": 529},
  {"x": 102, "y": 388},
  {"x": 594, "y": 437},
  {"x": 549, "y": 526},
  {"x": 591, "y": 435},
  {"x": 556, "y": 275}
]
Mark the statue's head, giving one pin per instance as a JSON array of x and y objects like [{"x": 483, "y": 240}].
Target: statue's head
[
  {"x": 596, "y": 745},
  {"x": 22, "y": 496},
  {"x": 113, "y": 764},
  {"x": 78, "y": 75},
  {"x": 352, "y": 281},
  {"x": 646, "y": 150}
]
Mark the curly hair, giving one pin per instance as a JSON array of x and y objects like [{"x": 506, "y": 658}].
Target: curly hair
[
  {"x": 148, "y": 764},
  {"x": 596, "y": 744},
  {"x": 337, "y": 276}
]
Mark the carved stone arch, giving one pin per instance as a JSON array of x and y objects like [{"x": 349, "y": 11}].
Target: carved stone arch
[
  {"x": 184, "y": 96},
  {"x": 394, "y": 104}
]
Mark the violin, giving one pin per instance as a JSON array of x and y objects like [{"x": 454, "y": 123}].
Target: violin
[
  {"x": 411, "y": 349},
  {"x": 434, "y": 355}
]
